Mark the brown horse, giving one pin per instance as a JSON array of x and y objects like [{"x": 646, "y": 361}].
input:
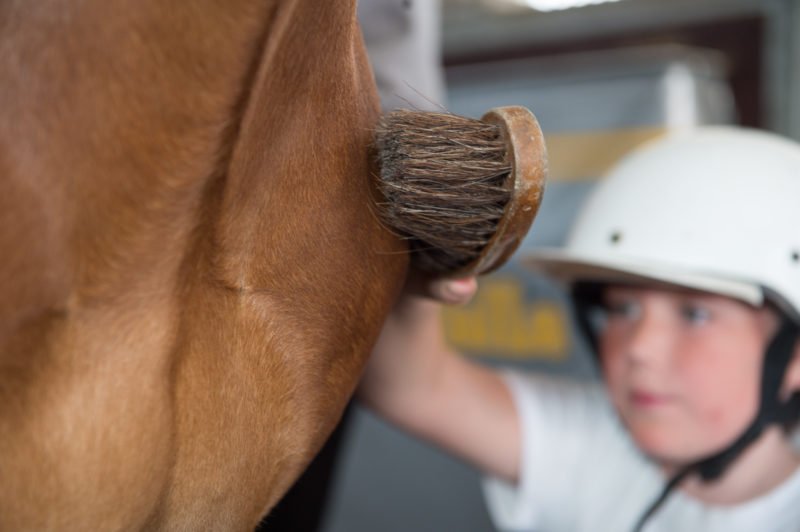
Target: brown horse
[{"x": 191, "y": 276}]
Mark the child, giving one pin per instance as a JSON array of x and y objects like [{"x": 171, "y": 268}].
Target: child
[{"x": 684, "y": 267}]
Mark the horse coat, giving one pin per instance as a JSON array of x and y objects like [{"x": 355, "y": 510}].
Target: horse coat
[{"x": 191, "y": 273}]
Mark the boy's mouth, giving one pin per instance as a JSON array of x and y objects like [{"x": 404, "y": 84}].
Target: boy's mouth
[{"x": 646, "y": 399}]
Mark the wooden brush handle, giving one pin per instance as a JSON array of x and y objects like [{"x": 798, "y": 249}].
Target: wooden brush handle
[{"x": 528, "y": 158}]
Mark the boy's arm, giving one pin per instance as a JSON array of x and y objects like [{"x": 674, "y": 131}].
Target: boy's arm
[{"x": 417, "y": 382}]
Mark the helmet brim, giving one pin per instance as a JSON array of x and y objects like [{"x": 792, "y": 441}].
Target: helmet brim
[{"x": 569, "y": 267}]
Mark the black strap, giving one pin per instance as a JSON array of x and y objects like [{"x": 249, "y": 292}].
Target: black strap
[{"x": 656, "y": 504}]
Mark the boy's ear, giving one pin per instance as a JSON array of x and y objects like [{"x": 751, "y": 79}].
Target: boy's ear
[{"x": 791, "y": 380}]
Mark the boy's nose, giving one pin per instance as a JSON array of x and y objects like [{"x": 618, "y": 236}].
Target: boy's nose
[{"x": 650, "y": 340}]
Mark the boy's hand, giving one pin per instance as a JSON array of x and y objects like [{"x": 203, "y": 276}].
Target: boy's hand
[{"x": 447, "y": 291}]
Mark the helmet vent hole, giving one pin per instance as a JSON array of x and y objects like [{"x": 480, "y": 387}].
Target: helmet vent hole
[
  {"x": 796, "y": 256},
  {"x": 616, "y": 237}
]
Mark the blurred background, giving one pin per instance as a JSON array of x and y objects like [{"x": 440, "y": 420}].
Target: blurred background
[{"x": 601, "y": 77}]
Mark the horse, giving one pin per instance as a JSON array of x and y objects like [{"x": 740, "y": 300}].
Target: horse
[{"x": 192, "y": 274}]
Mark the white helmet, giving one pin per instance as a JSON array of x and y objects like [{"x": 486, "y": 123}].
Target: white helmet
[{"x": 716, "y": 209}]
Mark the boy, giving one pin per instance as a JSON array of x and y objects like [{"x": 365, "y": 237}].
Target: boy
[{"x": 684, "y": 267}]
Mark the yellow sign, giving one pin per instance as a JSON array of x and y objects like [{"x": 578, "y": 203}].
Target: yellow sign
[
  {"x": 501, "y": 324},
  {"x": 581, "y": 156}
]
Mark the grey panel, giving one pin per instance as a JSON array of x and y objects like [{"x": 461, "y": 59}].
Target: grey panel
[{"x": 390, "y": 482}]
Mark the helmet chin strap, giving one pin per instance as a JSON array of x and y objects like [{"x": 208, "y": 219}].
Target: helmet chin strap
[{"x": 771, "y": 411}]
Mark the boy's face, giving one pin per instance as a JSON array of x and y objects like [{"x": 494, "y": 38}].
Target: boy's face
[{"x": 683, "y": 368}]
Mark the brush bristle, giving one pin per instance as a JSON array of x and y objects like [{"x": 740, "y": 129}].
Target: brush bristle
[{"x": 445, "y": 183}]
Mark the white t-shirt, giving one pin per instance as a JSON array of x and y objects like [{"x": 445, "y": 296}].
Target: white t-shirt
[{"x": 581, "y": 472}]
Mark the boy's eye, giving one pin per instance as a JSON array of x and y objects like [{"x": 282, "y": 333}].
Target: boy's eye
[
  {"x": 695, "y": 314},
  {"x": 622, "y": 309}
]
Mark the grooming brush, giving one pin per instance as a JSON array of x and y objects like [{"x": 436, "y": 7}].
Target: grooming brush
[{"x": 464, "y": 192}]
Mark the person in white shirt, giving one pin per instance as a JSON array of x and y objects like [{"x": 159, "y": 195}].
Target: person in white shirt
[{"x": 684, "y": 267}]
